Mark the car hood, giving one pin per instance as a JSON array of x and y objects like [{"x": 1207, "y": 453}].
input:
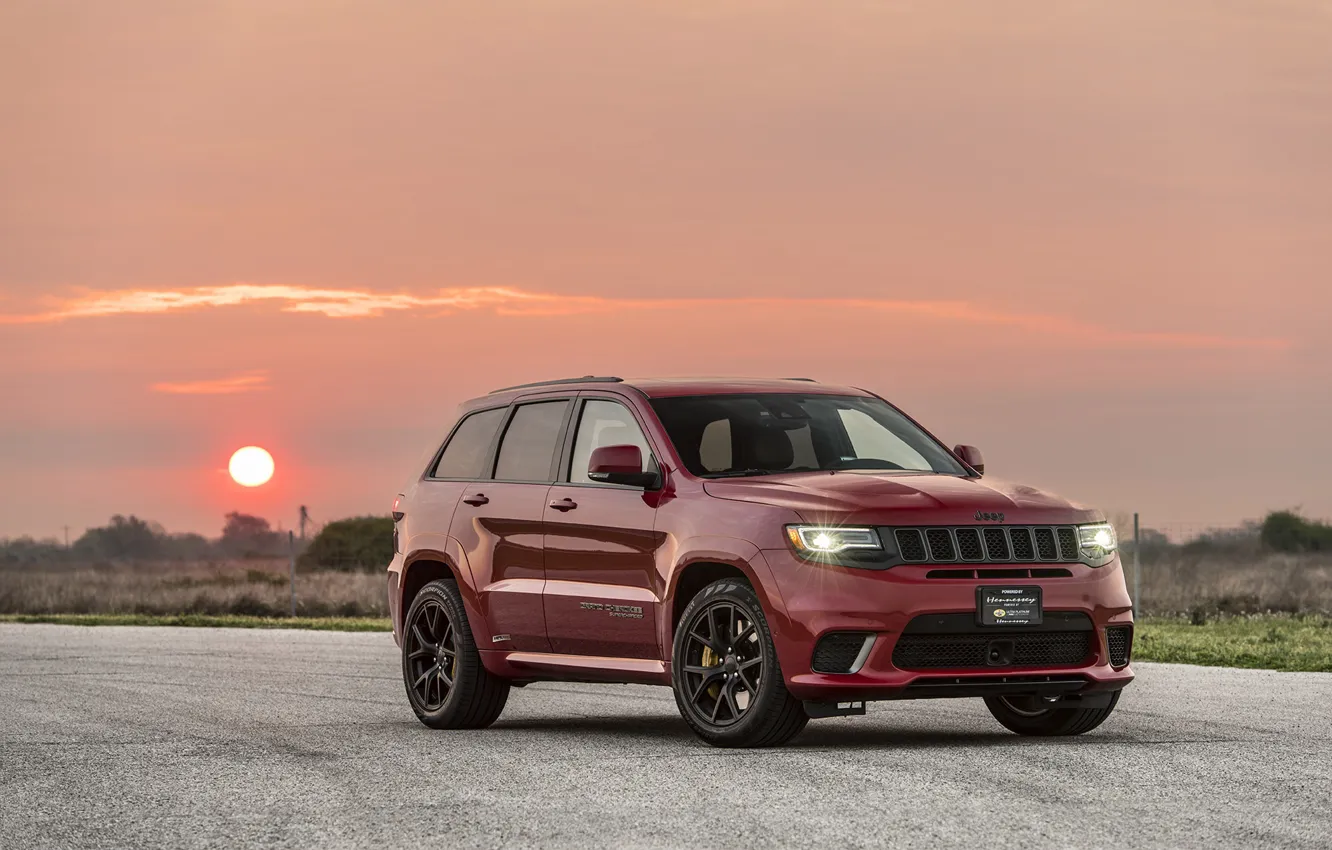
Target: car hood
[{"x": 895, "y": 498}]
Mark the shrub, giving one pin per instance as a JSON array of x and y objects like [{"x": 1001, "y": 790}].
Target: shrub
[
  {"x": 1287, "y": 531},
  {"x": 349, "y": 544}
]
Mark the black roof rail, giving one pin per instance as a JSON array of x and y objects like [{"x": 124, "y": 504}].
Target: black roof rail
[
  {"x": 811, "y": 380},
  {"x": 586, "y": 379}
]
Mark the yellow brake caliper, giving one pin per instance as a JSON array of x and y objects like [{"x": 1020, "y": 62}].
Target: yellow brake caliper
[{"x": 712, "y": 659}]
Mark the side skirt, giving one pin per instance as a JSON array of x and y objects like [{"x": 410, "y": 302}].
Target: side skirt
[{"x": 554, "y": 667}]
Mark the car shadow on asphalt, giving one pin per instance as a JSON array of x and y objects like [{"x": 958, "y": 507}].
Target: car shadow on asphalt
[
  {"x": 657, "y": 727},
  {"x": 834, "y": 734}
]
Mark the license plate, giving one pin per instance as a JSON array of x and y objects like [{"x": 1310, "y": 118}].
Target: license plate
[{"x": 1008, "y": 606}]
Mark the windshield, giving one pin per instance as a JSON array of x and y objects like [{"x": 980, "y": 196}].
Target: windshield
[{"x": 721, "y": 436}]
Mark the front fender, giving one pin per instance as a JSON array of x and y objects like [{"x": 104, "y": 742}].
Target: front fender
[{"x": 727, "y": 551}]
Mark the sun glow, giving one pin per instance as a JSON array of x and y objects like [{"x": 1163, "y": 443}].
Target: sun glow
[{"x": 251, "y": 466}]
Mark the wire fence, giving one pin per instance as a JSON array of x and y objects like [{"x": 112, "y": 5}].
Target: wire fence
[{"x": 1204, "y": 569}]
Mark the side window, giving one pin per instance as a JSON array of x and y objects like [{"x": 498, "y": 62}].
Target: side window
[
  {"x": 531, "y": 441},
  {"x": 869, "y": 439},
  {"x": 465, "y": 454},
  {"x": 714, "y": 448},
  {"x": 604, "y": 423}
]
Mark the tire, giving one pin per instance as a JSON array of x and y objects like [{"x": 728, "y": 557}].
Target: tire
[
  {"x": 1025, "y": 716},
  {"x": 447, "y": 686},
  {"x": 710, "y": 676}
]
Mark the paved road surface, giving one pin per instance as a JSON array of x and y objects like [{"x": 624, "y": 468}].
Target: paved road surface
[{"x": 158, "y": 737}]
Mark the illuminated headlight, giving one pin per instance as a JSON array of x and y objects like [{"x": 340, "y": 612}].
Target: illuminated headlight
[
  {"x": 1097, "y": 543},
  {"x": 828, "y": 540}
]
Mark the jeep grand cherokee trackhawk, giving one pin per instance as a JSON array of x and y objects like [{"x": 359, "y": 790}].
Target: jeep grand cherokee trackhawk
[{"x": 772, "y": 550}]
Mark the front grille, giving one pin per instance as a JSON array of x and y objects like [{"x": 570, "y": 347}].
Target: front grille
[
  {"x": 1119, "y": 639},
  {"x": 837, "y": 652},
  {"x": 992, "y": 544},
  {"x": 961, "y": 652}
]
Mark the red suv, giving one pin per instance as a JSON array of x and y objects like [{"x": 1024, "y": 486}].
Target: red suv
[{"x": 772, "y": 550}]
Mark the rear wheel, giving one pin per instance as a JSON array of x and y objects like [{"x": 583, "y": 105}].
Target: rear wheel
[
  {"x": 1035, "y": 716},
  {"x": 446, "y": 683},
  {"x": 725, "y": 674}
]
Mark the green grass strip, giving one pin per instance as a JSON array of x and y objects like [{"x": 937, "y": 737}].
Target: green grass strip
[
  {"x": 229, "y": 621},
  {"x": 1267, "y": 642}
]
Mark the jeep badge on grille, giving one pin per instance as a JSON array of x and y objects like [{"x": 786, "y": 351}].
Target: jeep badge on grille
[{"x": 986, "y": 516}]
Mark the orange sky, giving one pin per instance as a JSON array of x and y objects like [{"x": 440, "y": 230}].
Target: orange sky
[{"x": 1093, "y": 238}]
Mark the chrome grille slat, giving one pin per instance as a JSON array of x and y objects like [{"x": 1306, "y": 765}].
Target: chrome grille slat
[
  {"x": 911, "y": 543},
  {"x": 940, "y": 541},
  {"x": 1046, "y": 549},
  {"x": 1024, "y": 549},
  {"x": 969, "y": 544},
  {"x": 985, "y": 544},
  {"x": 996, "y": 544}
]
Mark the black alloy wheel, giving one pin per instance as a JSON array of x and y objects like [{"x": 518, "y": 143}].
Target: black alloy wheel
[
  {"x": 432, "y": 656},
  {"x": 723, "y": 664},
  {"x": 727, "y": 682},
  {"x": 447, "y": 685}
]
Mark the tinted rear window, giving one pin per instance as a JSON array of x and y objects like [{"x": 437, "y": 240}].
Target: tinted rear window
[
  {"x": 465, "y": 454},
  {"x": 527, "y": 451}
]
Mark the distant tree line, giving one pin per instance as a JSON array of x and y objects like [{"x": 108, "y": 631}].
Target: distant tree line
[
  {"x": 360, "y": 542},
  {"x": 129, "y": 538}
]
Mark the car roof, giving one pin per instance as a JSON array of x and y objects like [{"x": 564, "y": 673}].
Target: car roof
[{"x": 667, "y": 387}]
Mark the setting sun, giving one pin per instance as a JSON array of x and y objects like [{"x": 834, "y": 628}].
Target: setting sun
[{"x": 251, "y": 466}]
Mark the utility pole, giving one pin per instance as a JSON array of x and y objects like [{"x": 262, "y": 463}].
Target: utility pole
[
  {"x": 1137, "y": 566},
  {"x": 66, "y": 537},
  {"x": 305, "y": 518},
  {"x": 291, "y": 552}
]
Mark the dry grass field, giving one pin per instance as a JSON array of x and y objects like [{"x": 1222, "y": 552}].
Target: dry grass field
[
  {"x": 252, "y": 587},
  {"x": 1206, "y": 584},
  {"x": 1198, "y": 586}
]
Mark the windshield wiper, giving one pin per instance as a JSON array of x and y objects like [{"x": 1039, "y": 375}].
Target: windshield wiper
[{"x": 742, "y": 473}]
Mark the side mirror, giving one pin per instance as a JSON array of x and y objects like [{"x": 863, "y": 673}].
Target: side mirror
[
  {"x": 619, "y": 465},
  {"x": 971, "y": 456}
]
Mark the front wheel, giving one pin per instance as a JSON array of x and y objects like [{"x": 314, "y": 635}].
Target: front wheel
[
  {"x": 446, "y": 683},
  {"x": 1035, "y": 716},
  {"x": 725, "y": 674}
]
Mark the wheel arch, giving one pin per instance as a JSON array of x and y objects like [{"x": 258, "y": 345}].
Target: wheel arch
[
  {"x": 715, "y": 559},
  {"x": 426, "y": 565}
]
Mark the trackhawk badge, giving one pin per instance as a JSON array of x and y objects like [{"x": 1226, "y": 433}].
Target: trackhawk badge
[{"x": 986, "y": 516}]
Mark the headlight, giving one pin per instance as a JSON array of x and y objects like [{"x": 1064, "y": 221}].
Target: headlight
[
  {"x": 1097, "y": 543},
  {"x": 828, "y": 540}
]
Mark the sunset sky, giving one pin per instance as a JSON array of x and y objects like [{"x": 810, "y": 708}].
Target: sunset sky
[{"x": 1092, "y": 238}]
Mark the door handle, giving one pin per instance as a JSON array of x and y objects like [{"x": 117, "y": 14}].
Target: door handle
[
  {"x": 477, "y": 499},
  {"x": 563, "y": 504}
]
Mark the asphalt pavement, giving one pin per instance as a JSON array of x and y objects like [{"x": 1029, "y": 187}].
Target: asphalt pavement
[{"x": 185, "y": 738}]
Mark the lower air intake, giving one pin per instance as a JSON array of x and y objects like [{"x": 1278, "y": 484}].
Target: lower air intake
[
  {"x": 975, "y": 651},
  {"x": 1119, "y": 639},
  {"x": 838, "y": 652}
]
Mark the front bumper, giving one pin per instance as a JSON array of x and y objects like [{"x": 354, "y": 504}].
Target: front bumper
[{"x": 821, "y": 598}]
